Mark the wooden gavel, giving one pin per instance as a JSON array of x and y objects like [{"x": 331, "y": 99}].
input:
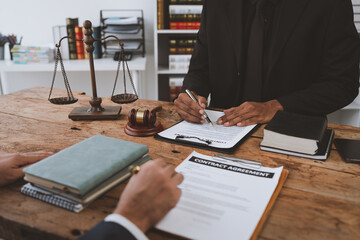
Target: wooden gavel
[{"x": 141, "y": 117}]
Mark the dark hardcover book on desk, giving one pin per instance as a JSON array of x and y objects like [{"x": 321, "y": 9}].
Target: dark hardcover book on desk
[
  {"x": 299, "y": 135},
  {"x": 84, "y": 171},
  {"x": 349, "y": 149}
]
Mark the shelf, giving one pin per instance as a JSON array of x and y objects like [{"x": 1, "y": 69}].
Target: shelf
[
  {"x": 165, "y": 70},
  {"x": 137, "y": 63},
  {"x": 179, "y": 31}
]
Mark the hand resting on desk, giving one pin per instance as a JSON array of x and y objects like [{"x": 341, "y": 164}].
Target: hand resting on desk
[
  {"x": 12, "y": 164},
  {"x": 250, "y": 113}
]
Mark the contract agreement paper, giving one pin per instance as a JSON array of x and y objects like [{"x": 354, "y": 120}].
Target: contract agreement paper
[
  {"x": 217, "y": 136},
  {"x": 220, "y": 199}
]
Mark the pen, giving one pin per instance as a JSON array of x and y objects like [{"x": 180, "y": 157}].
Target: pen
[{"x": 194, "y": 99}]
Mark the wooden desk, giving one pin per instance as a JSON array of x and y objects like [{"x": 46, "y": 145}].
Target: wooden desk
[{"x": 320, "y": 200}]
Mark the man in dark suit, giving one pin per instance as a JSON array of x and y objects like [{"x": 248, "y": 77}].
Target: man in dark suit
[
  {"x": 146, "y": 199},
  {"x": 255, "y": 57}
]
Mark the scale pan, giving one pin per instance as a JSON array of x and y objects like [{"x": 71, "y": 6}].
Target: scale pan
[
  {"x": 124, "y": 98},
  {"x": 63, "y": 100}
]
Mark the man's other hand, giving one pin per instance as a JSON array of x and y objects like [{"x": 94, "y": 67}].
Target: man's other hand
[{"x": 250, "y": 113}]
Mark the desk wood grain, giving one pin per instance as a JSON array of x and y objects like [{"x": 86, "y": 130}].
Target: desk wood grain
[{"x": 320, "y": 200}]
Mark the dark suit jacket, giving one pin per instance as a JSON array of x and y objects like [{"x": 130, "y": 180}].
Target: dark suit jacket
[
  {"x": 107, "y": 231},
  {"x": 313, "y": 64}
]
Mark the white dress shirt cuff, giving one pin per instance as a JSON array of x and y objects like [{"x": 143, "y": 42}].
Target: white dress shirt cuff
[{"x": 132, "y": 228}]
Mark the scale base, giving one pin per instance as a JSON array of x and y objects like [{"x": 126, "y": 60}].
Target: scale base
[{"x": 83, "y": 114}]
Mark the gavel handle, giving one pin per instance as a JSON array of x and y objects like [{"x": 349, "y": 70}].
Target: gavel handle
[{"x": 156, "y": 109}]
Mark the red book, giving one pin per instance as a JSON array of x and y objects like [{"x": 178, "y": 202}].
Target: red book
[{"x": 79, "y": 44}]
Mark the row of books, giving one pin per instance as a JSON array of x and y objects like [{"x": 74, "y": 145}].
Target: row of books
[
  {"x": 185, "y": 21},
  {"x": 179, "y": 14},
  {"x": 179, "y": 61},
  {"x": 184, "y": 16},
  {"x": 70, "y": 48},
  {"x": 181, "y": 46},
  {"x": 31, "y": 54}
]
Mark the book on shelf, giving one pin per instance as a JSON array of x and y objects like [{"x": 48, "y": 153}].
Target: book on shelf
[
  {"x": 298, "y": 135},
  {"x": 160, "y": 14},
  {"x": 84, "y": 171},
  {"x": 80, "y": 51},
  {"x": 185, "y": 16},
  {"x": 70, "y": 27},
  {"x": 181, "y": 46},
  {"x": 179, "y": 61},
  {"x": 59, "y": 32},
  {"x": 175, "y": 84},
  {"x": 97, "y": 44},
  {"x": 223, "y": 198}
]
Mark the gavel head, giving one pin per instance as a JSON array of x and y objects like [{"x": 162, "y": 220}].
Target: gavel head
[{"x": 140, "y": 117}]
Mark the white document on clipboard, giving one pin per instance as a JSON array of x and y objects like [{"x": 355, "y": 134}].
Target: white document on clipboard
[
  {"x": 220, "y": 199},
  {"x": 218, "y": 136}
]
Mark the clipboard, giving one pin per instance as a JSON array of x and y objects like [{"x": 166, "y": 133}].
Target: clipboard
[
  {"x": 266, "y": 213},
  {"x": 282, "y": 178},
  {"x": 204, "y": 145}
]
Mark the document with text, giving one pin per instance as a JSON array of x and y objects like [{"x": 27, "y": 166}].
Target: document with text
[
  {"x": 217, "y": 136},
  {"x": 220, "y": 199}
]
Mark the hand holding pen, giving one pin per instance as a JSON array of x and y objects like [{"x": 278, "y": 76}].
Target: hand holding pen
[
  {"x": 189, "y": 109},
  {"x": 194, "y": 99}
]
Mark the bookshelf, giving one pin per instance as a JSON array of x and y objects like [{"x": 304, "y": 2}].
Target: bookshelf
[{"x": 183, "y": 14}]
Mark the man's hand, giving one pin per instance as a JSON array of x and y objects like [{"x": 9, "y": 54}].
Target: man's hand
[
  {"x": 150, "y": 194},
  {"x": 12, "y": 164},
  {"x": 189, "y": 110},
  {"x": 250, "y": 113}
]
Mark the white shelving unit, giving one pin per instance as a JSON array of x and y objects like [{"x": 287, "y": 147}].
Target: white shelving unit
[{"x": 15, "y": 77}]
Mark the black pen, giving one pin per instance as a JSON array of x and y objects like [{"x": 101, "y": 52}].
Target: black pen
[{"x": 194, "y": 99}]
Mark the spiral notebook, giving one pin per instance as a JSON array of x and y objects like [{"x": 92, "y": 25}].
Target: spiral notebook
[{"x": 57, "y": 200}]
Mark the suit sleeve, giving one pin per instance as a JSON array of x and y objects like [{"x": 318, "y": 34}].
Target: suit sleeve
[
  {"x": 338, "y": 81},
  {"x": 198, "y": 75},
  {"x": 107, "y": 230}
]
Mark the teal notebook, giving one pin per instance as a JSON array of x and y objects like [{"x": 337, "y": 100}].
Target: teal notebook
[{"x": 85, "y": 165}]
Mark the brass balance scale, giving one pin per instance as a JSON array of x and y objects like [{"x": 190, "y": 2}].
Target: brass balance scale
[{"x": 96, "y": 111}]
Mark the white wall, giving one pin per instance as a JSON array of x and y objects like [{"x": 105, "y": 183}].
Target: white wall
[{"x": 34, "y": 19}]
